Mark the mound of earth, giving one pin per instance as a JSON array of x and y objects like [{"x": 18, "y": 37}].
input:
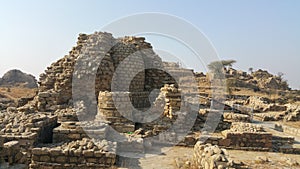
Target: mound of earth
[{"x": 18, "y": 78}]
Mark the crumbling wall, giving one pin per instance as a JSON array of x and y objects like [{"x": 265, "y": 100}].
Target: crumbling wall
[
  {"x": 247, "y": 136},
  {"x": 10, "y": 152},
  {"x": 72, "y": 131},
  {"x": 56, "y": 83},
  {"x": 244, "y": 140},
  {"x": 208, "y": 156},
  {"x": 202, "y": 117},
  {"x": 235, "y": 117},
  {"x": 81, "y": 154},
  {"x": 28, "y": 129},
  {"x": 108, "y": 111},
  {"x": 173, "y": 100}
]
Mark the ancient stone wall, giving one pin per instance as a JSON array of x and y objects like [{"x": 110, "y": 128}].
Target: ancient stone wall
[
  {"x": 173, "y": 100},
  {"x": 81, "y": 154},
  {"x": 208, "y": 156},
  {"x": 56, "y": 83},
  {"x": 244, "y": 140},
  {"x": 234, "y": 117},
  {"x": 247, "y": 136},
  {"x": 68, "y": 131},
  {"x": 108, "y": 111},
  {"x": 11, "y": 153},
  {"x": 72, "y": 131},
  {"x": 166, "y": 105},
  {"x": 28, "y": 129}
]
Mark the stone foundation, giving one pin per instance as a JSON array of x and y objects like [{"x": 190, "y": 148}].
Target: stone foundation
[
  {"x": 72, "y": 131},
  {"x": 255, "y": 141},
  {"x": 234, "y": 117},
  {"x": 78, "y": 154}
]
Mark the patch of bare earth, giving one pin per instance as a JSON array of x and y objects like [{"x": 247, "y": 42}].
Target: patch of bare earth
[
  {"x": 17, "y": 92},
  {"x": 178, "y": 156}
]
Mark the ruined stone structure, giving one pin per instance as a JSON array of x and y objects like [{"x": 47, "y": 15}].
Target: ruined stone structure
[
  {"x": 56, "y": 82},
  {"x": 108, "y": 85},
  {"x": 208, "y": 156},
  {"x": 125, "y": 69},
  {"x": 77, "y": 154}
]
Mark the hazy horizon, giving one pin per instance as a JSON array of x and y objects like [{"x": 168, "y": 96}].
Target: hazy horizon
[{"x": 258, "y": 34}]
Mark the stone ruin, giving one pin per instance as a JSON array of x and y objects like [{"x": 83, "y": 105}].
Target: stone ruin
[
  {"x": 53, "y": 119},
  {"x": 59, "y": 130},
  {"x": 208, "y": 156}
]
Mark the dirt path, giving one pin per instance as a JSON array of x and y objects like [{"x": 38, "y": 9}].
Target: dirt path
[{"x": 170, "y": 159}]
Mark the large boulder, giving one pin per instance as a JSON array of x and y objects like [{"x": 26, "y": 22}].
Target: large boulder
[{"x": 16, "y": 78}]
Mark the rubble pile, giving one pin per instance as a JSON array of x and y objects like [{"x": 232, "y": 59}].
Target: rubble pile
[{"x": 208, "y": 156}]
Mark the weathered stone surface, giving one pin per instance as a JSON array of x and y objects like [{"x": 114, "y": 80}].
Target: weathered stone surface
[{"x": 208, "y": 156}]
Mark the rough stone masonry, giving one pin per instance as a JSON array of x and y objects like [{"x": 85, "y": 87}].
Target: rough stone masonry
[{"x": 55, "y": 129}]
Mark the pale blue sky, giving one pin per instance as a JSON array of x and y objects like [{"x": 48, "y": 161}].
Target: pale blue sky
[{"x": 257, "y": 33}]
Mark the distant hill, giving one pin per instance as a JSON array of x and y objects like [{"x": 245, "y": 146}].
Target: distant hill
[{"x": 16, "y": 77}]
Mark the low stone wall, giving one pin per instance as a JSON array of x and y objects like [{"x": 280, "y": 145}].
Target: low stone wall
[
  {"x": 25, "y": 141},
  {"x": 289, "y": 150},
  {"x": 280, "y": 141},
  {"x": 247, "y": 136},
  {"x": 214, "y": 140},
  {"x": 39, "y": 130},
  {"x": 71, "y": 131},
  {"x": 63, "y": 134},
  {"x": 234, "y": 117},
  {"x": 270, "y": 116},
  {"x": 208, "y": 156},
  {"x": 28, "y": 129},
  {"x": 261, "y": 141},
  {"x": 11, "y": 153},
  {"x": 81, "y": 154}
]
